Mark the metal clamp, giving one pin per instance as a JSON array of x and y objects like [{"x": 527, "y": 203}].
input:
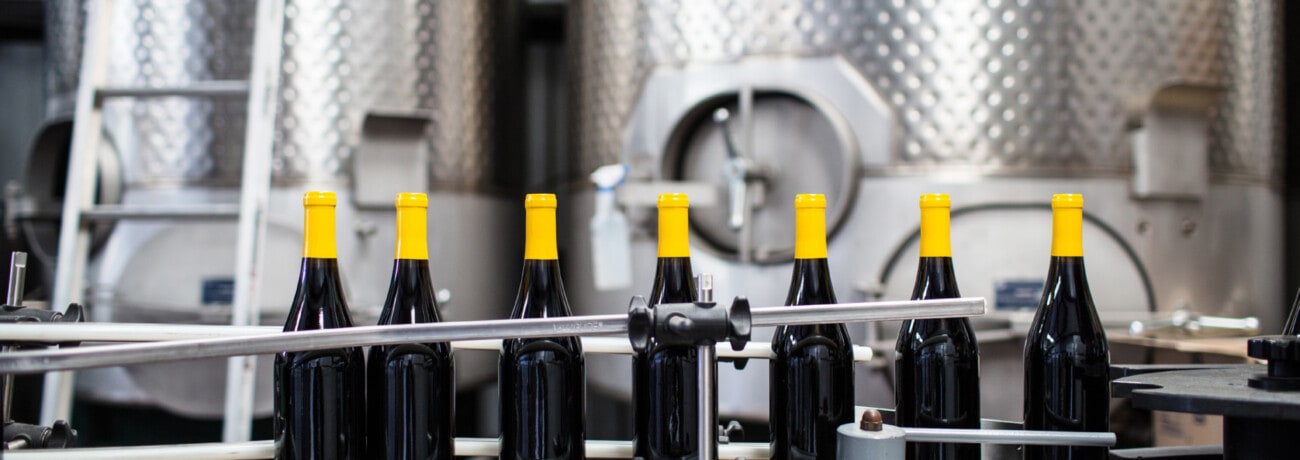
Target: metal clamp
[{"x": 22, "y": 435}]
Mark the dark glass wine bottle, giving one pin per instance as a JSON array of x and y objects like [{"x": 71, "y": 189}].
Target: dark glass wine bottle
[
  {"x": 812, "y": 373},
  {"x": 665, "y": 379},
  {"x": 1067, "y": 362},
  {"x": 542, "y": 380},
  {"x": 319, "y": 395},
  {"x": 412, "y": 386},
  {"x": 937, "y": 361}
]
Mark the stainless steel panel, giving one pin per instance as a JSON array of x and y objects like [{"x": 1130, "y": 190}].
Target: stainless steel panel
[
  {"x": 175, "y": 140},
  {"x": 343, "y": 59},
  {"x": 1009, "y": 86}
]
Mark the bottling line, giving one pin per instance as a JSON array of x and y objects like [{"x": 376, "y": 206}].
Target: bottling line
[{"x": 158, "y": 151}]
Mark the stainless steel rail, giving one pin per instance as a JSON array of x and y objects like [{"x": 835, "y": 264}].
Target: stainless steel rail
[
  {"x": 1036, "y": 438},
  {"x": 22, "y": 362}
]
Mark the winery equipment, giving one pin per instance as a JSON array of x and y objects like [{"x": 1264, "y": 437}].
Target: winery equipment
[
  {"x": 698, "y": 323},
  {"x": 1163, "y": 113},
  {"x": 375, "y": 89}
]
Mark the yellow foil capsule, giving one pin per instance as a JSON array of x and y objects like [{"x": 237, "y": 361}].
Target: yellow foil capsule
[
  {"x": 674, "y": 228},
  {"x": 810, "y": 226},
  {"x": 1067, "y": 225},
  {"x": 412, "y": 226},
  {"x": 936, "y": 238},
  {"x": 318, "y": 231},
  {"x": 539, "y": 227}
]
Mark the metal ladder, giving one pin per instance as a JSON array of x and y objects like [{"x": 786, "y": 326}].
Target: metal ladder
[{"x": 79, "y": 208}]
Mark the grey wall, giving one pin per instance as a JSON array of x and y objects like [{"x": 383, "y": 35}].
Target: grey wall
[{"x": 22, "y": 103}]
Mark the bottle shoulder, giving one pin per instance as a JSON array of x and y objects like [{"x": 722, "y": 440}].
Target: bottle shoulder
[{"x": 938, "y": 335}]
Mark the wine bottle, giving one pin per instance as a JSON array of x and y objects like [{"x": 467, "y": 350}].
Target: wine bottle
[
  {"x": 812, "y": 373},
  {"x": 665, "y": 382},
  {"x": 542, "y": 380},
  {"x": 320, "y": 394},
  {"x": 1067, "y": 385},
  {"x": 937, "y": 361},
  {"x": 411, "y": 385}
]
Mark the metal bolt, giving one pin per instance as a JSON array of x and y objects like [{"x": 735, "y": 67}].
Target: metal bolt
[
  {"x": 1143, "y": 226},
  {"x": 1189, "y": 227},
  {"x": 871, "y": 421}
]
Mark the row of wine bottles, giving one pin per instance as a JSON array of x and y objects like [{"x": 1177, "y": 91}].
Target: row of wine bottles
[{"x": 406, "y": 410}]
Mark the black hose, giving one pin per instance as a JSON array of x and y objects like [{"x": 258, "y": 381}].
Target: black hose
[{"x": 1091, "y": 218}]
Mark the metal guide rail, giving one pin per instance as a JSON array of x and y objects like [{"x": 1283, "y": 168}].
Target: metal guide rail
[{"x": 26, "y": 362}]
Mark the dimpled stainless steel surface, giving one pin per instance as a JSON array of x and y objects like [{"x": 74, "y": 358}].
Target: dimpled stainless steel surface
[
  {"x": 1009, "y": 86},
  {"x": 345, "y": 58},
  {"x": 342, "y": 59},
  {"x": 174, "y": 140}
]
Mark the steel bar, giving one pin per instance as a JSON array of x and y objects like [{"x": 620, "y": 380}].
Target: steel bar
[
  {"x": 17, "y": 279},
  {"x": 155, "y": 332},
  {"x": 213, "y": 88},
  {"x": 220, "y": 211},
  {"x": 704, "y": 394},
  {"x": 255, "y": 186},
  {"x": 140, "y": 353},
  {"x": 1026, "y": 437},
  {"x": 256, "y": 450}
]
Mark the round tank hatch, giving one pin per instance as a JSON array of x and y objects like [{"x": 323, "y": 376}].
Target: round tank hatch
[{"x": 795, "y": 146}]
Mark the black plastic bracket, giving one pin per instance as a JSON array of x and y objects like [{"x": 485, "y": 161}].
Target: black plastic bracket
[{"x": 698, "y": 323}]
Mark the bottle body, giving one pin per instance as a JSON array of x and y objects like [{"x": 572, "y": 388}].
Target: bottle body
[
  {"x": 1067, "y": 364},
  {"x": 542, "y": 381},
  {"x": 936, "y": 368},
  {"x": 936, "y": 365},
  {"x": 811, "y": 374},
  {"x": 665, "y": 382},
  {"x": 1067, "y": 360},
  {"x": 411, "y": 386}
]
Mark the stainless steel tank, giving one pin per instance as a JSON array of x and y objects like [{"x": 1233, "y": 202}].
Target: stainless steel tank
[
  {"x": 375, "y": 97},
  {"x": 1162, "y": 113}
]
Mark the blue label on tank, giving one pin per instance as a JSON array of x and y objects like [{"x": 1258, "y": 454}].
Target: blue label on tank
[
  {"x": 218, "y": 291},
  {"x": 1022, "y": 294}
]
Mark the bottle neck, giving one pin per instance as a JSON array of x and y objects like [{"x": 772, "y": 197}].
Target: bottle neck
[
  {"x": 412, "y": 233},
  {"x": 318, "y": 240},
  {"x": 539, "y": 234},
  {"x": 809, "y": 233},
  {"x": 935, "y": 279},
  {"x": 935, "y": 232},
  {"x": 811, "y": 283},
  {"x": 674, "y": 281},
  {"x": 674, "y": 233},
  {"x": 1067, "y": 232},
  {"x": 410, "y": 294},
  {"x": 541, "y": 291}
]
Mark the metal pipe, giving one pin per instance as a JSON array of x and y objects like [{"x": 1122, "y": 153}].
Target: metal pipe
[
  {"x": 464, "y": 447},
  {"x": 708, "y": 427},
  {"x": 17, "y": 278},
  {"x": 150, "y": 332},
  {"x": 14, "y": 296},
  {"x": 1026, "y": 437},
  {"x": 140, "y": 353},
  {"x": 8, "y": 391}
]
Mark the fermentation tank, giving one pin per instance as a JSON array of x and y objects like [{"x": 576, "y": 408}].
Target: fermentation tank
[
  {"x": 1162, "y": 113},
  {"x": 375, "y": 98}
]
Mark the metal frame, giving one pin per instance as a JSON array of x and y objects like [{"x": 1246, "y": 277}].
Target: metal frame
[
  {"x": 177, "y": 350},
  {"x": 79, "y": 209}
]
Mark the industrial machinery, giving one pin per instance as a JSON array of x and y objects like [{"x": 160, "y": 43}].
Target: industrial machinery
[{"x": 1164, "y": 114}]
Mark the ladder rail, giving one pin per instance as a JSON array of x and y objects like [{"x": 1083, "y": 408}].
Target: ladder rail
[
  {"x": 74, "y": 237},
  {"x": 255, "y": 185}
]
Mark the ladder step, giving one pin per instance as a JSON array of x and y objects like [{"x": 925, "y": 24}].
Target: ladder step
[
  {"x": 213, "y": 88},
  {"x": 105, "y": 212}
]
